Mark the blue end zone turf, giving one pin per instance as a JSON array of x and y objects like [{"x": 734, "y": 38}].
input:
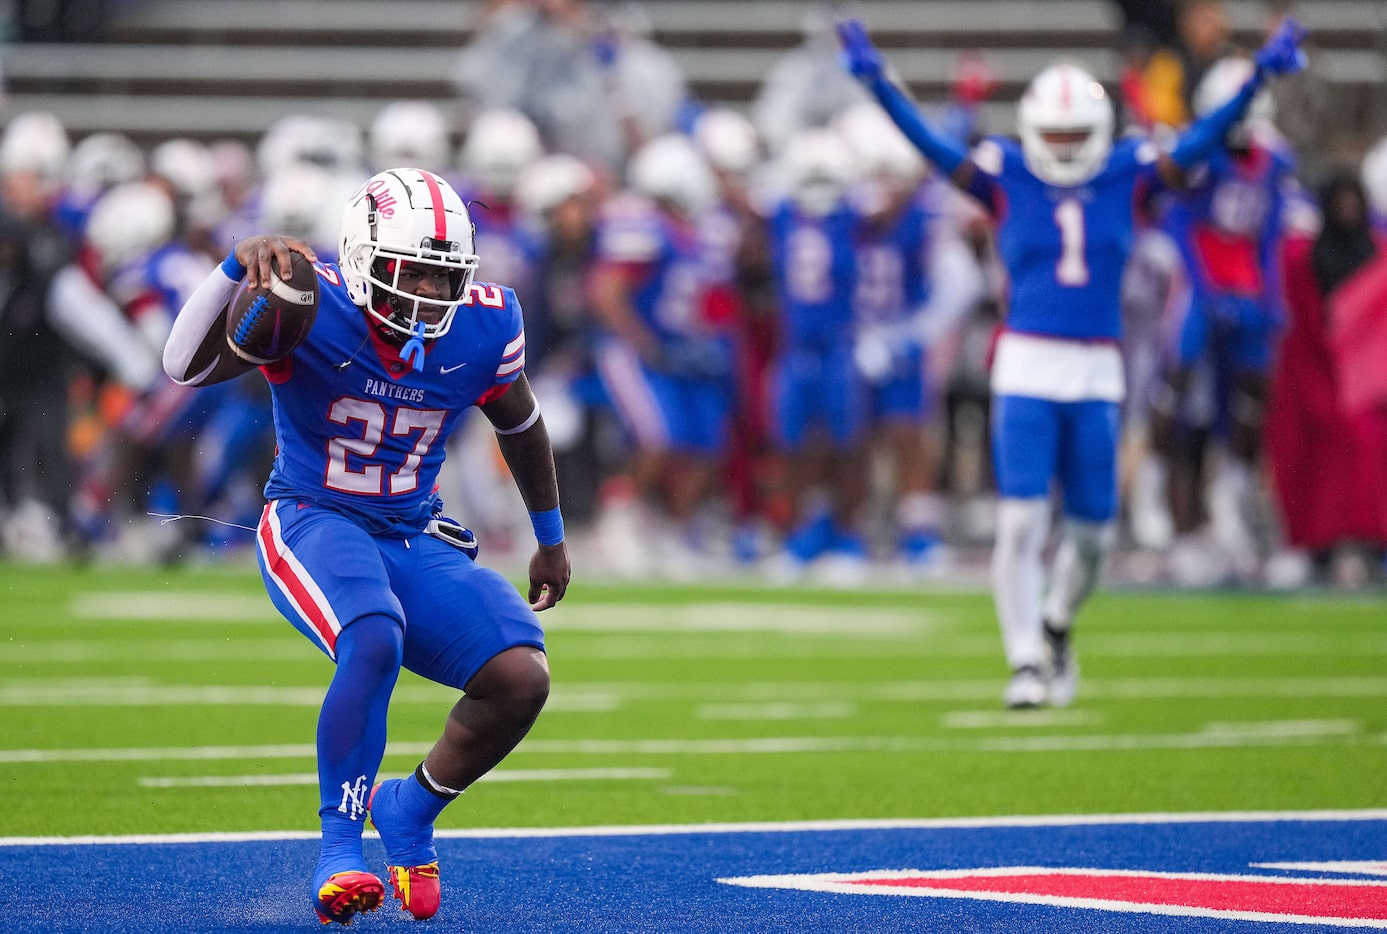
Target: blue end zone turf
[{"x": 667, "y": 879}]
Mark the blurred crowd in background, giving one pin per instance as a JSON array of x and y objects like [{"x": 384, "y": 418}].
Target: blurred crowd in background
[{"x": 648, "y": 232}]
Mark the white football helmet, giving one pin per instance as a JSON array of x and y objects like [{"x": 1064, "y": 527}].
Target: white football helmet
[
  {"x": 102, "y": 161},
  {"x": 1224, "y": 79},
  {"x": 550, "y": 182},
  {"x": 409, "y": 133},
  {"x": 1065, "y": 121},
  {"x": 35, "y": 142},
  {"x": 670, "y": 168},
  {"x": 1374, "y": 176},
  {"x": 406, "y": 216},
  {"x": 818, "y": 170},
  {"x": 298, "y": 200},
  {"x": 500, "y": 144},
  {"x": 728, "y": 140},
  {"x": 880, "y": 149},
  {"x": 130, "y": 220}
]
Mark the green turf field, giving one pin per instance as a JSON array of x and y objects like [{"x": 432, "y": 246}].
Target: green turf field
[{"x": 155, "y": 701}]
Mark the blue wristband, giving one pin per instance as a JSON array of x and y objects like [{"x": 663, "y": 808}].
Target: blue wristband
[
  {"x": 233, "y": 268},
  {"x": 548, "y": 526}
]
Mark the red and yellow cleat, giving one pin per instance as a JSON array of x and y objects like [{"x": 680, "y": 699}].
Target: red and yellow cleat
[
  {"x": 416, "y": 889},
  {"x": 344, "y": 894}
]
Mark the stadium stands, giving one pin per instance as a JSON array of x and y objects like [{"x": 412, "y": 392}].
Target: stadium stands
[{"x": 216, "y": 68}]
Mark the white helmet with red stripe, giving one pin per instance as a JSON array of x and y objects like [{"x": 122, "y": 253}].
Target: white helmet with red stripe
[
  {"x": 402, "y": 216},
  {"x": 1065, "y": 121}
]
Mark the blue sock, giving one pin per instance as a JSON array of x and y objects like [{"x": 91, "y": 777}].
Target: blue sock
[
  {"x": 351, "y": 728},
  {"x": 419, "y": 803}
]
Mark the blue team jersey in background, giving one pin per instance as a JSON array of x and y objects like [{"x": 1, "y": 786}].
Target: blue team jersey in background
[
  {"x": 1065, "y": 248},
  {"x": 361, "y": 432},
  {"x": 815, "y": 275}
]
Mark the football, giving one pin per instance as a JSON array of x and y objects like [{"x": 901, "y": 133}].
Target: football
[{"x": 265, "y": 324}]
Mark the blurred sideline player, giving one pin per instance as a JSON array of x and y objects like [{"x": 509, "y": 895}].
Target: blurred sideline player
[
  {"x": 1228, "y": 227},
  {"x": 818, "y": 401},
  {"x": 1064, "y": 202},
  {"x": 915, "y": 279},
  {"x": 353, "y": 545},
  {"x": 665, "y": 366}
]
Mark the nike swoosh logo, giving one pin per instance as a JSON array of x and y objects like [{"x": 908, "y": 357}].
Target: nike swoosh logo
[{"x": 448, "y": 369}]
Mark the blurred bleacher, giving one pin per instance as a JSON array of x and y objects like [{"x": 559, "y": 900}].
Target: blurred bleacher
[{"x": 229, "y": 68}]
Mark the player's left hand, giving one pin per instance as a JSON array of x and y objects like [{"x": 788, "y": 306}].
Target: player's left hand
[
  {"x": 549, "y": 573},
  {"x": 859, "y": 55},
  {"x": 1282, "y": 55}
]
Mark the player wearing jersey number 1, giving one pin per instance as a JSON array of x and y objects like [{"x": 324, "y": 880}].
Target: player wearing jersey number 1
[
  {"x": 1064, "y": 202},
  {"x": 353, "y": 545}
]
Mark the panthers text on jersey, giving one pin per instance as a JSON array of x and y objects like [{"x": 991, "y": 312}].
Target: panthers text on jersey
[{"x": 362, "y": 432}]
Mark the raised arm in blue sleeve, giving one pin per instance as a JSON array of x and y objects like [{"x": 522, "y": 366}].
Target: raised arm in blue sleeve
[{"x": 1280, "y": 56}]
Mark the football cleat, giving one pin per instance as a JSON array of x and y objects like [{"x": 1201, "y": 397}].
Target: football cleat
[
  {"x": 411, "y": 858},
  {"x": 1062, "y": 676},
  {"x": 345, "y": 894},
  {"x": 416, "y": 889},
  {"x": 1025, "y": 689}
]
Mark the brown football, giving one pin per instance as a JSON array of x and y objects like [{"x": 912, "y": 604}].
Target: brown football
[{"x": 265, "y": 325}]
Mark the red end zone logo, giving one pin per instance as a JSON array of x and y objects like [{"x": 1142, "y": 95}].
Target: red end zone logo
[{"x": 1344, "y": 902}]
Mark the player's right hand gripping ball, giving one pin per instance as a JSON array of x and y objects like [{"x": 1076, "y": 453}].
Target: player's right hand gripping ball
[{"x": 264, "y": 325}]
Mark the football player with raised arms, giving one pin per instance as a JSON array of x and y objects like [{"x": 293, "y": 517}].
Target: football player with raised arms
[
  {"x": 353, "y": 546},
  {"x": 1065, "y": 202}
]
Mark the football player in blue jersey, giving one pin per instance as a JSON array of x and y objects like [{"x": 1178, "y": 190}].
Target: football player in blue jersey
[
  {"x": 818, "y": 401},
  {"x": 1229, "y": 227},
  {"x": 1065, "y": 203},
  {"x": 353, "y": 546},
  {"x": 666, "y": 366},
  {"x": 915, "y": 280}
]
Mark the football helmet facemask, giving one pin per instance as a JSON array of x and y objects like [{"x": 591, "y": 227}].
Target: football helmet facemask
[
  {"x": 1065, "y": 121},
  {"x": 400, "y": 217}
]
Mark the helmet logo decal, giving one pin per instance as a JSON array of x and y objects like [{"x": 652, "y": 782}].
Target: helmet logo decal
[{"x": 381, "y": 198}]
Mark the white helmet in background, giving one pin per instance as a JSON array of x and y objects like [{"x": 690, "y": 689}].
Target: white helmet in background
[
  {"x": 728, "y": 140},
  {"x": 817, "y": 169},
  {"x": 550, "y": 182},
  {"x": 670, "y": 168},
  {"x": 1374, "y": 177},
  {"x": 409, "y": 133},
  {"x": 102, "y": 161},
  {"x": 300, "y": 200},
  {"x": 879, "y": 148},
  {"x": 399, "y": 216},
  {"x": 185, "y": 164},
  {"x": 1065, "y": 121},
  {"x": 129, "y": 221},
  {"x": 35, "y": 142},
  {"x": 1224, "y": 79},
  {"x": 500, "y": 144},
  {"x": 331, "y": 143}
]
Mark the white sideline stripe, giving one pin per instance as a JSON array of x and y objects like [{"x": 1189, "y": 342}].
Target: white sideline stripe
[
  {"x": 1217, "y": 735},
  {"x": 812, "y": 826},
  {"x": 605, "y": 696},
  {"x": 76, "y": 693},
  {"x": 1361, "y": 867},
  {"x": 311, "y": 778}
]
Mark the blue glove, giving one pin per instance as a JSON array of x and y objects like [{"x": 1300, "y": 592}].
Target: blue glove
[
  {"x": 859, "y": 57},
  {"x": 1282, "y": 55}
]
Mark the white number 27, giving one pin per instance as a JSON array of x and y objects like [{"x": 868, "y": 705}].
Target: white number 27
[{"x": 1071, "y": 269}]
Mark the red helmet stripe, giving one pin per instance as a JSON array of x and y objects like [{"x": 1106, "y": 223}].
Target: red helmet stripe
[{"x": 440, "y": 224}]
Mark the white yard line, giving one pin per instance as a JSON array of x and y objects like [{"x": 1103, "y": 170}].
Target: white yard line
[
  {"x": 1216, "y": 735},
  {"x": 311, "y": 778},
  {"x": 607, "y": 696},
  {"x": 812, "y": 826}
]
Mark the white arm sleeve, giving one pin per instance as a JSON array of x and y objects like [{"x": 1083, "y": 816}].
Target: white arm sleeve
[
  {"x": 956, "y": 285},
  {"x": 190, "y": 328},
  {"x": 89, "y": 320}
]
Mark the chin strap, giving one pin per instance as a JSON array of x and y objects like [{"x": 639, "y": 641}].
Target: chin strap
[{"x": 413, "y": 350}]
